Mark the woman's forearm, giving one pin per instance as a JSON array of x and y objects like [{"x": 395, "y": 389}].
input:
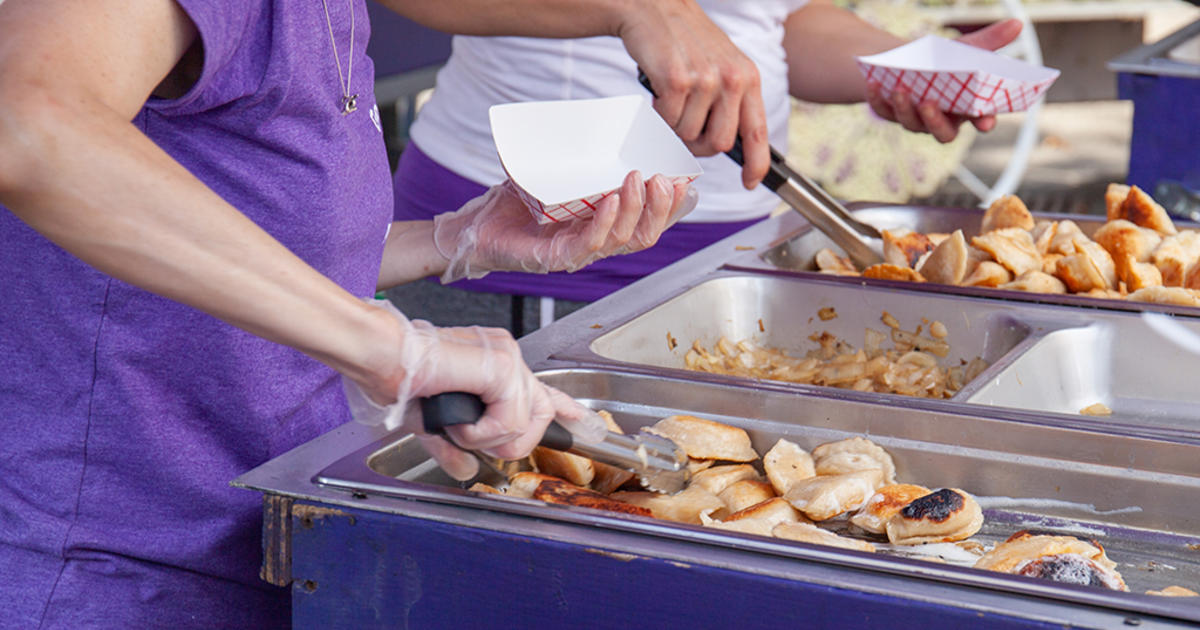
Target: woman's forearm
[
  {"x": 88, "y": 180},
  {"x": 821, "y": 42},
  {"x": 409, "y": 254},
  {"x": 529, "y": 18}
]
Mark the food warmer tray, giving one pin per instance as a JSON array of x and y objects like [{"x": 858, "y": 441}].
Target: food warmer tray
[
  {"x": 1136, "y": 495},
  {"x": 1045, "y": 360},
  {"x": 796, "y": 245}
]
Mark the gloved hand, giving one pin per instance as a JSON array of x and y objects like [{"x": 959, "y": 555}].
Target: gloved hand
[
  {"x": 496, "y": 232},
  {"x": 482, "y": 361}
]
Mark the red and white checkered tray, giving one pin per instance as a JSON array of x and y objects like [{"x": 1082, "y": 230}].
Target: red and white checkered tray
[
  {"x": 961, "y": 78},
  {"x": 567, "y": 156}
]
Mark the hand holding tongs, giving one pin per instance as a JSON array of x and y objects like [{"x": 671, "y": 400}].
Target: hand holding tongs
[
  {"x": 658, "y": 462},
  {"x": 862, "y": 243}
]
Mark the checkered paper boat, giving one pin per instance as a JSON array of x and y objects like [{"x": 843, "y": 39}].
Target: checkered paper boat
[
  {"x": 962, "y": 79},
  {"x": 567, "y": 156}
]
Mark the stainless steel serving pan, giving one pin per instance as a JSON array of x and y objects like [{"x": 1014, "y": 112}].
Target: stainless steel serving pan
[
  {"x": 1045, "y": 360},
  {"x": 1137, "y": 496},
  {"x": 795, "y": 252}
]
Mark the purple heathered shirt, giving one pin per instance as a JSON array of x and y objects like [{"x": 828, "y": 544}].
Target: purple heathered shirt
[
  {"x": 425, "y": 188},
  {"x": 123, "y": 415}
]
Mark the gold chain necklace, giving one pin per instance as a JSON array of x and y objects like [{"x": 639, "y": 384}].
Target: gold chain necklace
[{"x": 349, "y": 101}]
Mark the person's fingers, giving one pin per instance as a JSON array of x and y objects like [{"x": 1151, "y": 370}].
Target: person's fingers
[
  {"x": 905, "y": 111},
  {"x": 457, "y": 463},
  {"x": 502, "y": 421},
  {"x": 597, "y": 229},
  {"x": 994, "y": 36},
  {"x": 879, "y": 104},
  {"x": 659, "y": 203},
  {"x": 670, "y": 92},
  {"x": 507, "y": 392},
  {"x": 883, "y": 109},
  {"x": 487, "y": 362},
  {"x": 936, "y": 122},
  {"x": 584, "y": 424},
  {"x": 698, "y": 109},
  {"x": 541, "y": 412},
  {"x": 984, "y": 123},
  {"x": 756, "y": 149},
  {"x": 632, "y": 211},
  {"x": 684, "y": 200},
  {"x": 723, "y": 120}
]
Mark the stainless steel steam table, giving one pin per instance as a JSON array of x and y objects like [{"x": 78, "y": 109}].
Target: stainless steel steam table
[{"x": 368, "y": 533}]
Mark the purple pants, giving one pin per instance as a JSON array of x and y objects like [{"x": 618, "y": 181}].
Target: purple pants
[{"x": 425, "y": 188}]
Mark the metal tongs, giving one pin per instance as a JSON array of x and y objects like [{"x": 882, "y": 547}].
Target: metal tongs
[
  {"x": 862, "y": 243},
  {"x": 659, "y": 463}
]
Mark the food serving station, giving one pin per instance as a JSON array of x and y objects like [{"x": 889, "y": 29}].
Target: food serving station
[{"x": 368, "y": 532}]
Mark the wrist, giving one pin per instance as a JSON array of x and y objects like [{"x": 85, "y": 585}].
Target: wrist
[
  {"x": 374, "y": 358},
  {"x": 444, "y": 235},
  {"x": 619, "y": 16}
]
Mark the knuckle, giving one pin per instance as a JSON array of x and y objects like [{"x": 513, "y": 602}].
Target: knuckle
[
  {"x": 678, "y": 80},
  {"x": 733, "y": 83},
  {"x": 511, "y": 451},
  {"x": 508, "y": 345},
  {"x": 756, "y": 133},
  {"x": 724, "y": 142}
]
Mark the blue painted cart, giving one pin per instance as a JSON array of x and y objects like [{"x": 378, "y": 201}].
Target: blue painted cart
[{"x": 1163, "y": 81}]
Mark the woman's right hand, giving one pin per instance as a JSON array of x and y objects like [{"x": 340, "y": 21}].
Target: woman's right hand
[
  {"x": 424, "y": 360},
  {"x": 707, "y": 89}
]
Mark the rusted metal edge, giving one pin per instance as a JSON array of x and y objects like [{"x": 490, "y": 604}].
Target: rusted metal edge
[{"x": 277, "y": 540}]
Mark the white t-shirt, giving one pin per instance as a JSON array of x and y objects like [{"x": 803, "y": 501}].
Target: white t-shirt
[{"x": 453, "y": 126}]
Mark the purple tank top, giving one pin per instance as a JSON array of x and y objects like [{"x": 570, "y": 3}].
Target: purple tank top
[{"x": 124, "y": 415}]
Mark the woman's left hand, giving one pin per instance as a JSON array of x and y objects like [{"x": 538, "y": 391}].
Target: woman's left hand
[
  {"x": 926, "y": 117},
  {"x": 496, "y": 232}
]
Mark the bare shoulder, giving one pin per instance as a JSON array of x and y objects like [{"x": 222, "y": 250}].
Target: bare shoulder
[{"x": 109, "y": 53}]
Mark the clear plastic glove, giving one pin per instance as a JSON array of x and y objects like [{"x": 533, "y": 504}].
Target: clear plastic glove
[
  {"x": 482, "y": 361},
  {"x": 496, "y": 232},
  {"x": 925, "y": 117}
]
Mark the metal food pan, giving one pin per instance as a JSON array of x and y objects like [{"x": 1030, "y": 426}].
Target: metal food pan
[
  {"x": 784, "y": 313},
  {"x": 1137, "y": 496},
  {"x": 1043, "y": 359},
  {"x": 796, "y": 253},
  {"x": 1117, "y": 361}
]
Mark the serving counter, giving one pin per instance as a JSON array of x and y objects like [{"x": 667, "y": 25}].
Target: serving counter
[{"x": 369, "y": 533}]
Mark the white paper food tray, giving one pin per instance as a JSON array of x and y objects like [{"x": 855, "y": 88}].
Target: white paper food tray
[
  {"x": 567, "y": 156},
  {"x": 962, "y": 79}
]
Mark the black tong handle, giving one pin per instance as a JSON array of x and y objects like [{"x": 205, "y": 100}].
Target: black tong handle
[
  {"x": 454, "y": 408},
  {"x": 777, "y": 174}
]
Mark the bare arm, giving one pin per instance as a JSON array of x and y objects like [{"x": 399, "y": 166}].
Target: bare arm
[
  {"x": 821, "y": 42},
  {"x": 72, "y": 166},
  {"x": 527, "y": 18},
  {"x": 409, "y": 254}
]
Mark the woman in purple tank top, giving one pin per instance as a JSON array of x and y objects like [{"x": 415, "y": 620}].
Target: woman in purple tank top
[{"x": 196, "y": 200}]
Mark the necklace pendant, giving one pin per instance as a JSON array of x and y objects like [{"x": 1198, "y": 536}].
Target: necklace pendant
[{"x": 349, "y": 104}]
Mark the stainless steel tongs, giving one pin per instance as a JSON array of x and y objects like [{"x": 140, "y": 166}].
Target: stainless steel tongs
[
  {"x": 659, "y": 463},
  {"x": 862, "y": 243}
]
